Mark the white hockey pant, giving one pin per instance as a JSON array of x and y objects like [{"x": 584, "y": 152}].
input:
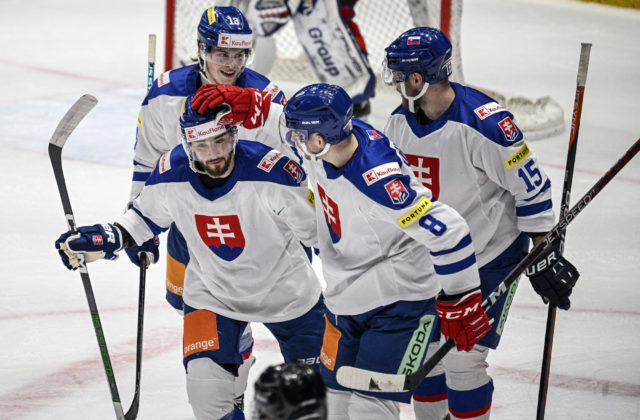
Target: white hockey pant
[
  {"x": 210, "y": 389},
  {"x": 347, "y": 405}
]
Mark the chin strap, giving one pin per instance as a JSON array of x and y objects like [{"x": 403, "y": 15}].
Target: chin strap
[
  {"x": 315, "y": 156},
  {"x": 412, "y": 99}
]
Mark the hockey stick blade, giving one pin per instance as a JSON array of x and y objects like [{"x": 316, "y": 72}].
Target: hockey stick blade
[
  {"x": 368, "y": 380},
  {"x": 72, "y": 118}
]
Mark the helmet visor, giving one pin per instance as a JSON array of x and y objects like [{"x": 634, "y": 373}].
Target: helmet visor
[
  {"x": 228, "y": 57},
  {"x": 391, "y": 77},
  {"x": 292, "y": 137}
]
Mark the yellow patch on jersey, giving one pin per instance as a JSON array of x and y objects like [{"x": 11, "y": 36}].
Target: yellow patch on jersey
[
  {"x": 517, "y": 157},
  {"x": 139, "y": 120},
  {"x": 311, "y": 198},
  {"x": 415, "y": 213},
  {"x": 211, "y": 15}
]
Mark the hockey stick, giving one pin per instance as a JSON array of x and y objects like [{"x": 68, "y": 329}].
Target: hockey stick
[
  {"x": 566, "y": 195},
  {"x": 66, "y": 126},
  {"x": 367, "y": 380},
  {"x": 143, "y": 261}
]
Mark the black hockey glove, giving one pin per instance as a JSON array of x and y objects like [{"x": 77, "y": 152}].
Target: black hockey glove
[{"x": 553, "y": 277}]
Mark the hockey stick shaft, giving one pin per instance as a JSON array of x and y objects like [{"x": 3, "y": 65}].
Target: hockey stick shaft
[
  {"x": 366, "y": 380},
  {"x": 143, "y": 261},
  {"x": 68, "y": 123},
  {"x": 583, "y": 67}
]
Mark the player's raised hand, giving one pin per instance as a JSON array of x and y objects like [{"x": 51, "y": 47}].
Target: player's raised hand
[
  {"x": 249, "y": 106},
  {"x": 463, "y": 319},
  {"x": 89, "y": 243},
  {"x": 553, "y": 277}
]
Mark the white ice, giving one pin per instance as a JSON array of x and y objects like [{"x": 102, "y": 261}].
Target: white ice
[{"x": 53, "y": 52}]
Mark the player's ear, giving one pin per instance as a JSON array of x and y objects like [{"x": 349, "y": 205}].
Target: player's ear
[
  {"x": 318, "y": 140},
  {"x": 415, "y": 79}
]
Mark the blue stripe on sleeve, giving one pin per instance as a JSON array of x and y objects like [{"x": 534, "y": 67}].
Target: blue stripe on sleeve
[
  {"x": 455, "y": 267},
  {"x": 141, "y": 176},
  {"x": 466, "y": 241},
  {"x": 532, "y": 209},
  {"x": 135, "y": 162},
  {"x": 545, "y": 187},
  {"x": 154, "y": 228}
]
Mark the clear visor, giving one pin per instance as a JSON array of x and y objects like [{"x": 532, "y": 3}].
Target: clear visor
[
  {"x": 227, "y": 57},
  {"x": 220, "y": 145},
  {"x": 292, "y": 137},
  {"x": 391, "y": 77}
]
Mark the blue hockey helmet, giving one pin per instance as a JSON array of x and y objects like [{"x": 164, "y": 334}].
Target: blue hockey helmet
[
  {"x": 196, "y": 128},
  {"x": 224, "y": 27},
  {"x": 290, "y": 391},
  {"x": 319, "y": 108},
  {"x": 421, "y": 50}
]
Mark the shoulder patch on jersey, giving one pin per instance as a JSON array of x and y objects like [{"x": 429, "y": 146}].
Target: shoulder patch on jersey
[
  {"x": 509, "y": 129},
  {"x": 381, "y": 171},
  {"x": 164, "y": 163},
  {"x": 397, "y": 191},
  {"x": 311, "y": 198},
  {"x": 487, "y": 110},
  {"x": 517, "y": 157},
  {"x": 294, "y": 170},
  {"x": 164, "y": 79},
  {"x": 139, "y": 120},
  {"x": 415, "y": 213},
  {"x": 374, "y": 134},
  {"x": 269, "y": 160}
]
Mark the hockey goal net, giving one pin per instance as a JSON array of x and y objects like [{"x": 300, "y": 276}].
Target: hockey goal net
[{"x": 540, "y": 118}]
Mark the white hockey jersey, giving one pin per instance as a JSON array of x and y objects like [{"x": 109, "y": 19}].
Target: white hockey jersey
[
  {"x": 159, "y": 118},
  {"x": 246, "y": 262},
  {"x": 382, "y": 238},
  {"x": 474, "y": 159}
]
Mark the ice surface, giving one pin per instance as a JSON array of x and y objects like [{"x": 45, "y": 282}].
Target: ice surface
[{"x": 53, "y": 52}]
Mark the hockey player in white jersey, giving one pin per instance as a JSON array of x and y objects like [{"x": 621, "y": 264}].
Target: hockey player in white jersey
[
  {"x": 225, "y": 49},
  {"x": 468, "y": 151},
  {"x": 387, "y": 248},
  {"x": 225, "y": 43},
  {"x": 243, "y": 209}
]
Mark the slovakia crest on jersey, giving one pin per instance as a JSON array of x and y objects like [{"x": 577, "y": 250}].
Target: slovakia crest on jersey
[
  {"x": 509, "y": 129},
  {"x": 427, "y": 170},
  {"x": 221, "y": 234},
  {"x": 294, "y": 170},
  {"x": 331, "y": 215},
  {"x": 396, "y": 191},
  {"x": 374, "y": 135}
]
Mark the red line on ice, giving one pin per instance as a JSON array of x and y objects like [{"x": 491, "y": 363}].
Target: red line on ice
[
  {"x": 70, "y": 379},
  {"x": 592, "y": 172},
  {"x": 62, "y": 73}
]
